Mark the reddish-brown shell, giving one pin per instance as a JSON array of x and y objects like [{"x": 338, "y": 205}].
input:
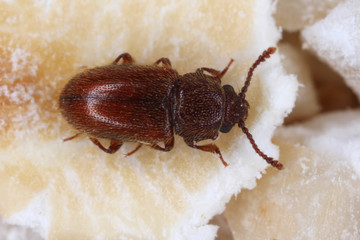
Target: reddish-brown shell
[{"x": 126, "y": 103}]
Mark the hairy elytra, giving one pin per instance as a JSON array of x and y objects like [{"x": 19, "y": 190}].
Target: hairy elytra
[{"x": 148, "y": 104}]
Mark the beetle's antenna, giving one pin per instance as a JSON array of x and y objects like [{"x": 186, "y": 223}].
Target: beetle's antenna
[
  {"x": 268, "y": 159},
  {"x": 261, "y": 58}
]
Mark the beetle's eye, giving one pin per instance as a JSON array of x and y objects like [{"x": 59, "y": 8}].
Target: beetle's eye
[
  {"x": 228, "y": 88},
  {"x": 226, "y": 129}
]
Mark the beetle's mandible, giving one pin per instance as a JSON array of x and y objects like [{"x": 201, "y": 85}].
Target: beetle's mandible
[{"x": 149, "y": 103}]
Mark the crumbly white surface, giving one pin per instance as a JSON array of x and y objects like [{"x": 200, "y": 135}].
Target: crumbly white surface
[
  {"x": 16, "y": 232},
  {"x": 335, "y": 39},
  {"x": 333, "y": 134},
  {"x": 317, "y": 196},
  {"x": 295, "y": 62},
  {"x": 294, "y": 15},
  {"x": 73, "y": 190}
]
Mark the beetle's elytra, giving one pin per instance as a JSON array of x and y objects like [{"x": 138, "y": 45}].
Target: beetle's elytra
[{"x": 149, "y": 103}]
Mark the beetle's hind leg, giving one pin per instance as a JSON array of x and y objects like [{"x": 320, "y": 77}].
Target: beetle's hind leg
[
  {"x": 127, "y": 59},
  {"x": 114, "y": 145},
  {"x": 208, "y": 148}
]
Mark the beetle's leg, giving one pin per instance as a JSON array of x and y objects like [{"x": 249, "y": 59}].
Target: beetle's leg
[
  {"x": 215, "y": 73},
  {"x": 127, "y": 59},
  {"x": 133, "y": 151},
  {"x": 165, "y": 61},
  {"x": 72, "y": 137},
  {"x": 169, "y": 144},
  {"x": 208, "y": 148},
  {"x": 114, "y": 145}
]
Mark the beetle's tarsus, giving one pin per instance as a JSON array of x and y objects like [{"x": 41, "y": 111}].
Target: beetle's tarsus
[
  {"x": 114, "y": 145},
  {"x": 165, "y": 62},
  {"x": 127, "y": 59},
  {"x": 135, "y": 150},
  {"x": 72, "y": 137},
  {"x": 208, "y": 148}
]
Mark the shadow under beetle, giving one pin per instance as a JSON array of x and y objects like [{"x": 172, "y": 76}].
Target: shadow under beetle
[{"x": 148, "y": 103}]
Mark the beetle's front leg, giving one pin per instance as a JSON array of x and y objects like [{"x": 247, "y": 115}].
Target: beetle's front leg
[
  {"x": 114, "y": 145},
  {"x": 215, "y": 73},
  {"x": 165, "y": 61},
  {"x": 169, "y": 144},
  {"x": 208, "y": 148},
  {"x": 127, "y": 59}
]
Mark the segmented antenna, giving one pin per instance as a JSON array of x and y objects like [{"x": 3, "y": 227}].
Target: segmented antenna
[
  {"x": 261, "y": 58},
  {"x": 268, "y": 159}
]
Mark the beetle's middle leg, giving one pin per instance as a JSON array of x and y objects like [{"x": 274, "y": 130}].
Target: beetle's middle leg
[
  {"x": 114, "y": 145},
  {"x": 127, "y": 59},
  {"x": 208, "y": 148},
  {"x": 169, "y": 144}
]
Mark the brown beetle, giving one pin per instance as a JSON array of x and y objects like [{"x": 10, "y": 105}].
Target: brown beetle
[{"x": 145, "y": 104}]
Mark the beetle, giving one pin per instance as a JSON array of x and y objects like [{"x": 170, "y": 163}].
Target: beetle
[{"x": 148, "y": 104}]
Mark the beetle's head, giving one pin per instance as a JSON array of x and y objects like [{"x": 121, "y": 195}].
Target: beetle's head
[
  {"x": 236, "y": 106},
  {"x": 236, "y": 109}
]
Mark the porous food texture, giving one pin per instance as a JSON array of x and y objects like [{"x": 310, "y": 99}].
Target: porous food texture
[
  {"x": 51, "y": 189},
  {"x": 73, "y": 190}
]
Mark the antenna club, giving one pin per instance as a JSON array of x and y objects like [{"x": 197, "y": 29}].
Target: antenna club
[
  {"x": 266, "y": 54},
  {"x": 271, "y": 50}
]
